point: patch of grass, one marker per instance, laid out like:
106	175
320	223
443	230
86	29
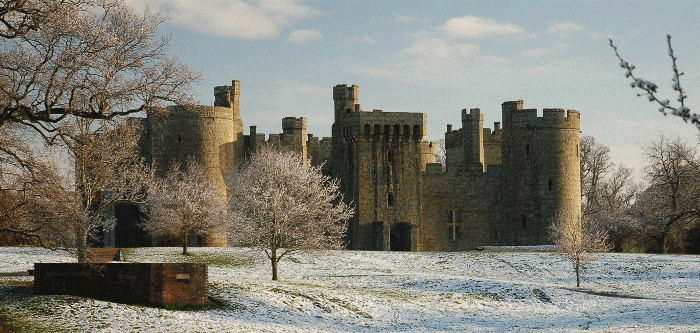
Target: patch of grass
19	321
13	281
219	259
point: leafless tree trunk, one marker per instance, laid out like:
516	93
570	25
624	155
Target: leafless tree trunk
282	205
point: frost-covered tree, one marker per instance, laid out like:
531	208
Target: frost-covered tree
678	108
94	59
281	205
578	241
186	201
108	171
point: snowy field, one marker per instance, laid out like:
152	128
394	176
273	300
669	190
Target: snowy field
349	291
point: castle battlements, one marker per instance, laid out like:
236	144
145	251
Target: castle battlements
498	186
227	96
192	111
357	124
514	113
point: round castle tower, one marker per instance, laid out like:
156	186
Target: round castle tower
541	171
209	134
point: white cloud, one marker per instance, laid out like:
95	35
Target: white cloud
232	18
294	87
440	48
404	19
477	27
350	41
304	36
563	27
543	51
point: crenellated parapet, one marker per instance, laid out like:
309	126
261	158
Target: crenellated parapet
405	126
192	111
551	118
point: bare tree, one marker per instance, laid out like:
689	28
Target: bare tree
31	195
94	59
282	206
649	88
578	241
595	163
17	17
607	192
673	197
108	171
186	201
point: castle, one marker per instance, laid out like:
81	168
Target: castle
497	187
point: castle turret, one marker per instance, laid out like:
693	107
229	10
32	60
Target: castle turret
345	99
294	135
473	140
209	134
541	167
228	97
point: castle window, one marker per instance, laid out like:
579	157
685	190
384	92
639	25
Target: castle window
454	229
527	149
179	138
390	200
390	156
550	184
524	223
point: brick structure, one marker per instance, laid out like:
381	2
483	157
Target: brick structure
164	284
499	187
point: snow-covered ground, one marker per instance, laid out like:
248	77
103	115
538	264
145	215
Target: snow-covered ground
351	291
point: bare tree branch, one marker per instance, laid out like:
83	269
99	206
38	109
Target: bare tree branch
650	88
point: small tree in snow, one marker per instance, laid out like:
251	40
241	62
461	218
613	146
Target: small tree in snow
578	241
184	202
282	205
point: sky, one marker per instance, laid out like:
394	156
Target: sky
439	57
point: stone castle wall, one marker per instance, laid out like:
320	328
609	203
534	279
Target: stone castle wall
499	187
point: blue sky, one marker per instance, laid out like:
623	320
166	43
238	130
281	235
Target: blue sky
439	57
